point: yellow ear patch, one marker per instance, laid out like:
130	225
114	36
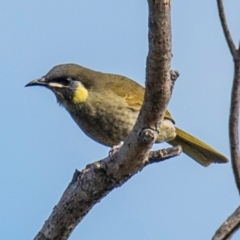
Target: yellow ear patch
80	94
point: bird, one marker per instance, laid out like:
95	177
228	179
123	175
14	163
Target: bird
106	106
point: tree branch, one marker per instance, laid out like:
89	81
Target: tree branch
86	189
229	227
93	183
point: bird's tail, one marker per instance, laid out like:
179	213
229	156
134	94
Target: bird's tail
196	149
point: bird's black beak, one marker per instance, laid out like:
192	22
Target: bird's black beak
37	82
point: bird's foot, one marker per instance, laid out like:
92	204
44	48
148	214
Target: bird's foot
114	149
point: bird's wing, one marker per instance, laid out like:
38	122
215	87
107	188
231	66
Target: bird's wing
132	92
169	116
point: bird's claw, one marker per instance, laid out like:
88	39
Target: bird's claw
114	149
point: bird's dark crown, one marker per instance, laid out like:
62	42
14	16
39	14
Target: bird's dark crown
73	71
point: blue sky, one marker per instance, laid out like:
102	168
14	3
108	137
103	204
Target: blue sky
41	146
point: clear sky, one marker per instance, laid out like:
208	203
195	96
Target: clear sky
41	146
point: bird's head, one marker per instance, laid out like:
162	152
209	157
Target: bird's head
69	82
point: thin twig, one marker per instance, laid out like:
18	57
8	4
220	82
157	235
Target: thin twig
235	98
225	27
234	121
163	154
232	224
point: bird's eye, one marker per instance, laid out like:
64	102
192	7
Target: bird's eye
63	81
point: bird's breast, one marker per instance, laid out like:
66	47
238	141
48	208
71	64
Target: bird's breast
107	122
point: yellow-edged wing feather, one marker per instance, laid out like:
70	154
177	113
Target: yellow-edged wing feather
132	92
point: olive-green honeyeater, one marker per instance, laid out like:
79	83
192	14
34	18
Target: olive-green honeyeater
106	106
